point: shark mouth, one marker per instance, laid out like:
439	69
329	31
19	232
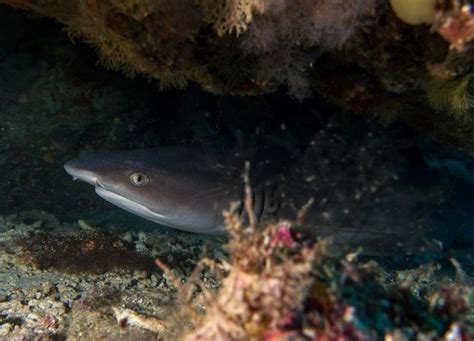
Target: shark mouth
130	205
146	213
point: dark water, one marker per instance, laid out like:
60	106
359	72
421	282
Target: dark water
56	103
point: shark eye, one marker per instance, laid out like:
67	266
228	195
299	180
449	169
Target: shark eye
139	179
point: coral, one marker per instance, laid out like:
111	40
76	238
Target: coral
231	16
452	95
265	286
280	285
137	37
450	87
137	9
327	24
357	55
455	23
143	37
390	74
290	36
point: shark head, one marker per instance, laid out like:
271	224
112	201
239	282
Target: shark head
180	188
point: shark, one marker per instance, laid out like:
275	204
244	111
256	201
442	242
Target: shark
182	188
188	188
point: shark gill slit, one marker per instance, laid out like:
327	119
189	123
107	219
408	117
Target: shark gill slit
261	206
265	204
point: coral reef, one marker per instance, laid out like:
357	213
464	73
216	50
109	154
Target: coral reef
455	23
273	282
358	55
286	52
45	121
279	285
151	38
232	16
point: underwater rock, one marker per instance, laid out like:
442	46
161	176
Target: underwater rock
151	38
356	54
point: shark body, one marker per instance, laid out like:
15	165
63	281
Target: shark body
188	189
182	188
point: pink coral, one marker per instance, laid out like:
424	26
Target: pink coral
457	26
283	237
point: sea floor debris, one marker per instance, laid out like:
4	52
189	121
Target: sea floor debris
70	300
270	282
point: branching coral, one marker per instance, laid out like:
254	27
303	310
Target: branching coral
265	286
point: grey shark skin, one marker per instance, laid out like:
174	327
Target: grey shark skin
183	188
188	189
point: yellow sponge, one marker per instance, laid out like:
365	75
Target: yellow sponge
415	12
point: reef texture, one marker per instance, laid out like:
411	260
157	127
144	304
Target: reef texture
271	282
278	285
225	46
359	55
105	289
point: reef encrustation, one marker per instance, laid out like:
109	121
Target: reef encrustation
365	56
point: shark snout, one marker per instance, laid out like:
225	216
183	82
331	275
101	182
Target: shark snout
79	173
